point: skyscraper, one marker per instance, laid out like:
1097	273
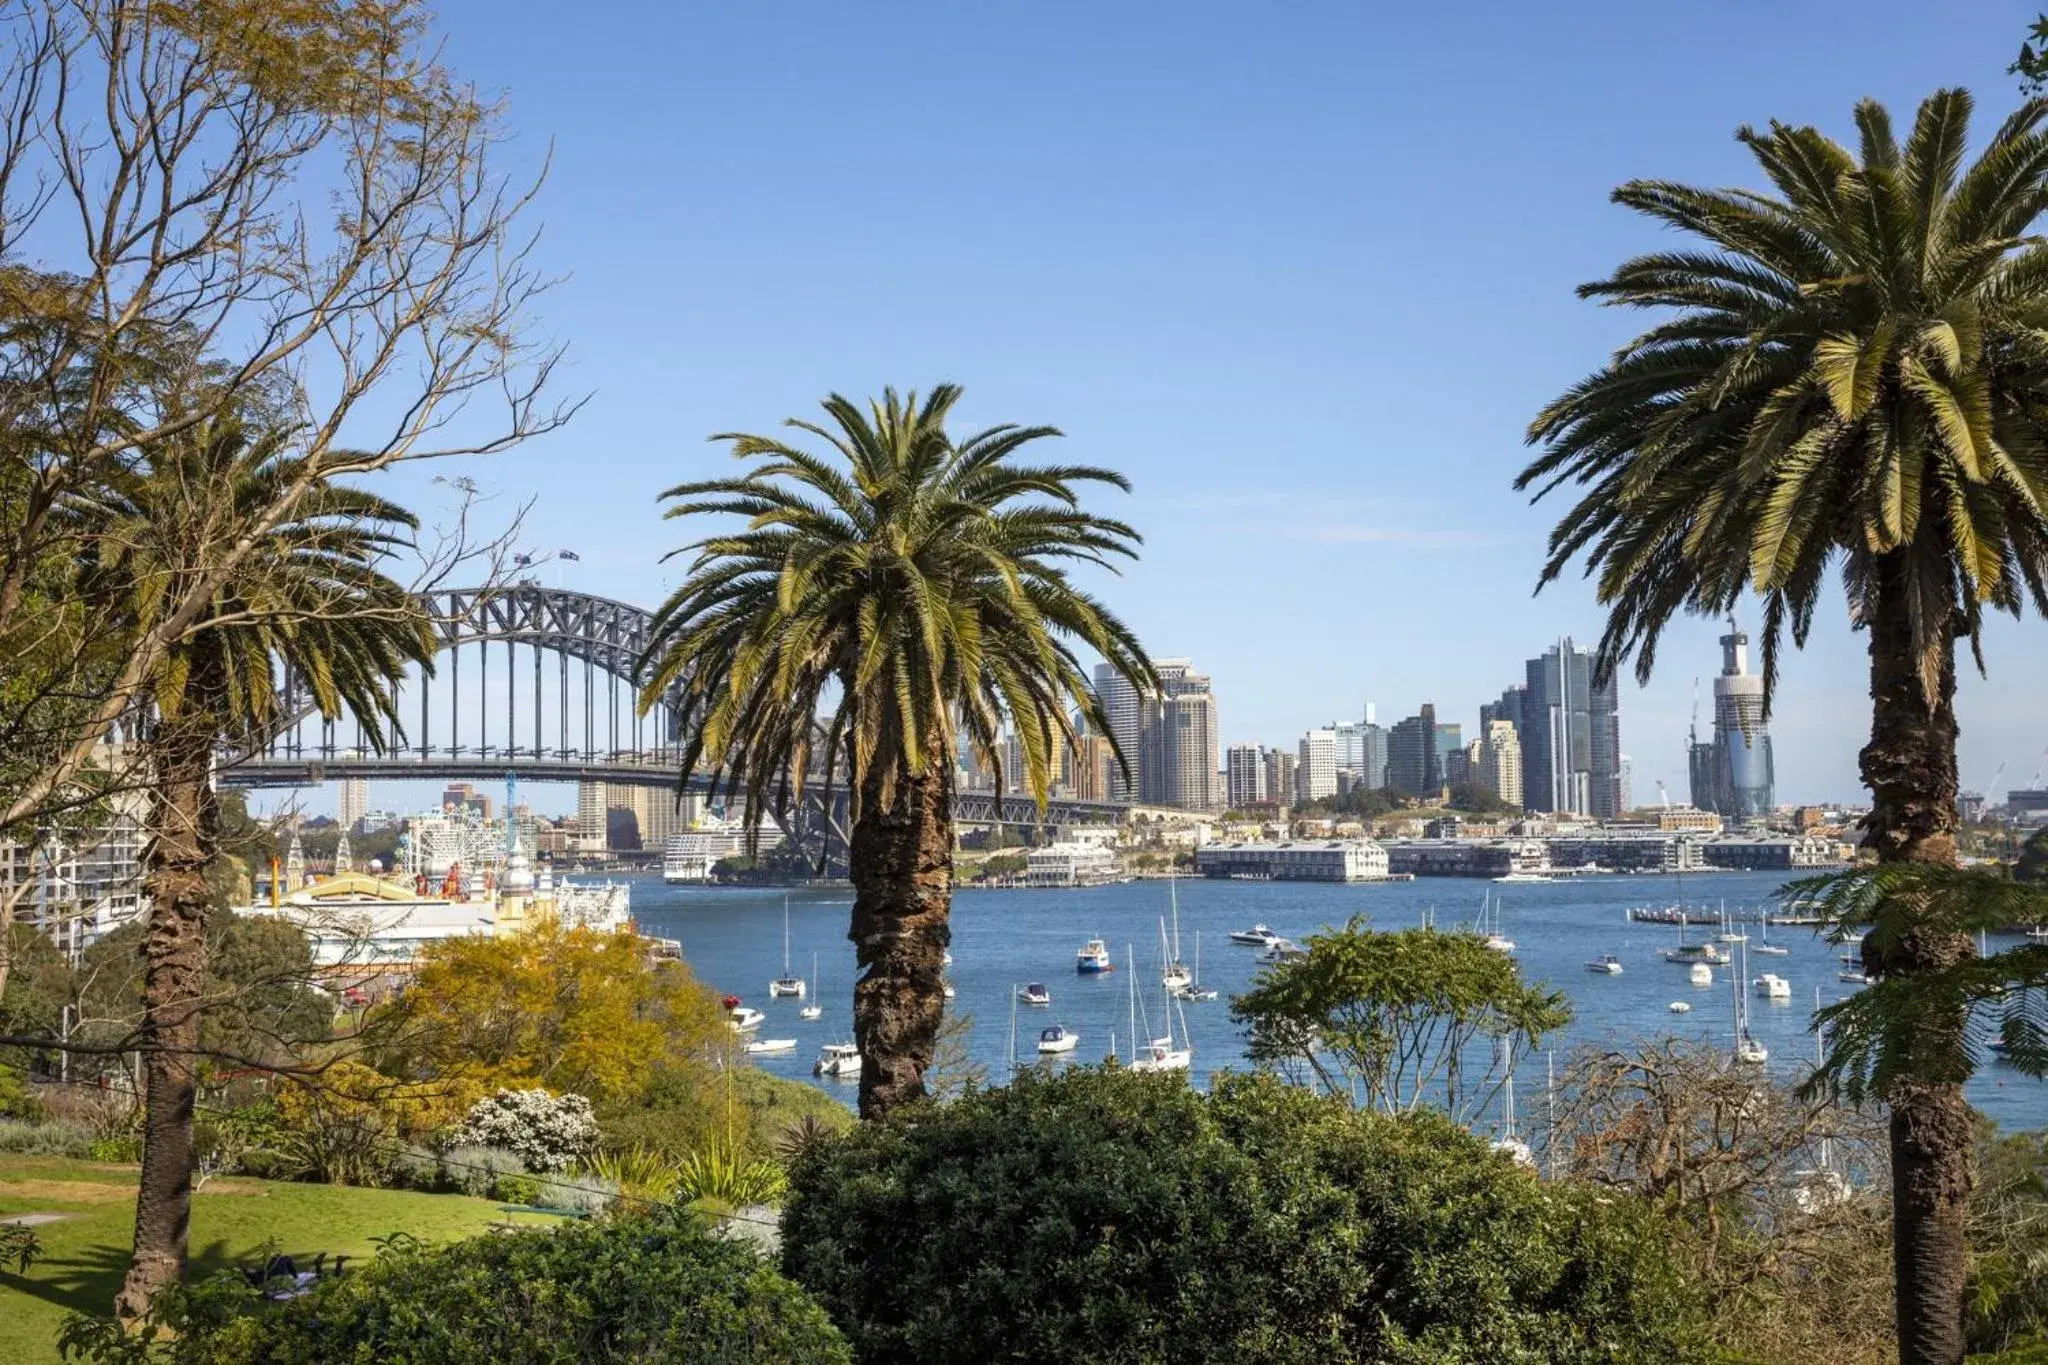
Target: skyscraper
351	803
1177	753
1571	736
1735	776
1244	776
1316	765
590	813
1414	767
1280	777
1122	707
1500	761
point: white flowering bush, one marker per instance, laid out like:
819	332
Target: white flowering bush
548	1132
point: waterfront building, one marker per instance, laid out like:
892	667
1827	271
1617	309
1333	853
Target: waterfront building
351	804
1571	736
1316	765
1735	775
1500	760
1070	864
1332	860
1688	818
1627	850
1773	853
1280	778
1414	766
1467	857
1123	708
1244	770
690	855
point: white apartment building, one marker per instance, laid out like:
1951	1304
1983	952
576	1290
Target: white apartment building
1069	865
690	856
351	803
1500	761
591	802
1315	773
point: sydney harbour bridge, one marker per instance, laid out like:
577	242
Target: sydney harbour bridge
572	719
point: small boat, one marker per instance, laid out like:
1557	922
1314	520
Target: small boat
946	958
1507	1144
1853	977
1691	953
814	1010
788	983
1174	975
1680	1007
1281	950
1524	878
1608	963
1035	994
1057	1039
1765	946
1750	1052
1258	936
946	989
1701	974
1771	986
1093	958
837	1059
745	1020
1495	939
1161	1055
1194	989
769	1045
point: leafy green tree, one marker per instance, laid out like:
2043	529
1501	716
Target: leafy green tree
914	589
1408	1018
1480	800
310	598
1116	1218
1848	380
2033	863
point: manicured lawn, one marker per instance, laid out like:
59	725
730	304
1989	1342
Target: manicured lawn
85	1253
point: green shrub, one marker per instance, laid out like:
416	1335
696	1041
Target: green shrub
45	1139
17	1101
114	1149
518	1189
476	1171
1108	1217
652	1291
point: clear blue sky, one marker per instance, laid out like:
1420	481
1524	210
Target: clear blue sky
1303	271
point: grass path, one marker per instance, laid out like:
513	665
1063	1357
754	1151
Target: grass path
85	1252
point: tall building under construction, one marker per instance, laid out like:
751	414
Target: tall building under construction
1734	775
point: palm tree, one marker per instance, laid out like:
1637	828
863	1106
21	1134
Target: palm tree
917	589
1851	374
309	598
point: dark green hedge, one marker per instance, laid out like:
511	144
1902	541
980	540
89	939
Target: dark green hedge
1108	1217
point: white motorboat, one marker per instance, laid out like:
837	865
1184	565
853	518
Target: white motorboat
837	1059
788	983
1093	958
1035	994
1771	986
1056	1040
1258	936
745	1020
1280	950
1524	878
812	1010
1853	977
1701	974
770	1045
1680	1007
1606	962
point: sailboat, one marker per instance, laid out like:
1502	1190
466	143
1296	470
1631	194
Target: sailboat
813	1010
1507	1144
1747	1049
1820	1186
787	983
1766	947
1160	1054
1729	933
1495	940
1195	990
1175	975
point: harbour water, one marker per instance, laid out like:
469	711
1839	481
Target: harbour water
732	938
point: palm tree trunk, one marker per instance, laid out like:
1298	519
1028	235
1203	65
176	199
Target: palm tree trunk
901	856
184	830
1910	768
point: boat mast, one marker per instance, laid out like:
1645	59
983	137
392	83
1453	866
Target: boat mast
785	938
1013	1028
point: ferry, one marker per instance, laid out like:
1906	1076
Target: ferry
1093	958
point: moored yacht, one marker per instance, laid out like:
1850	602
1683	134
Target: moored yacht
1258	936
1035	994
837	1059
1606	962
1093	958
1057	1039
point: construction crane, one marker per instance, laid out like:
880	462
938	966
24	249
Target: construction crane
1662	795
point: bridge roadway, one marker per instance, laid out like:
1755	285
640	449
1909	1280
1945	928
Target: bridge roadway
621	769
